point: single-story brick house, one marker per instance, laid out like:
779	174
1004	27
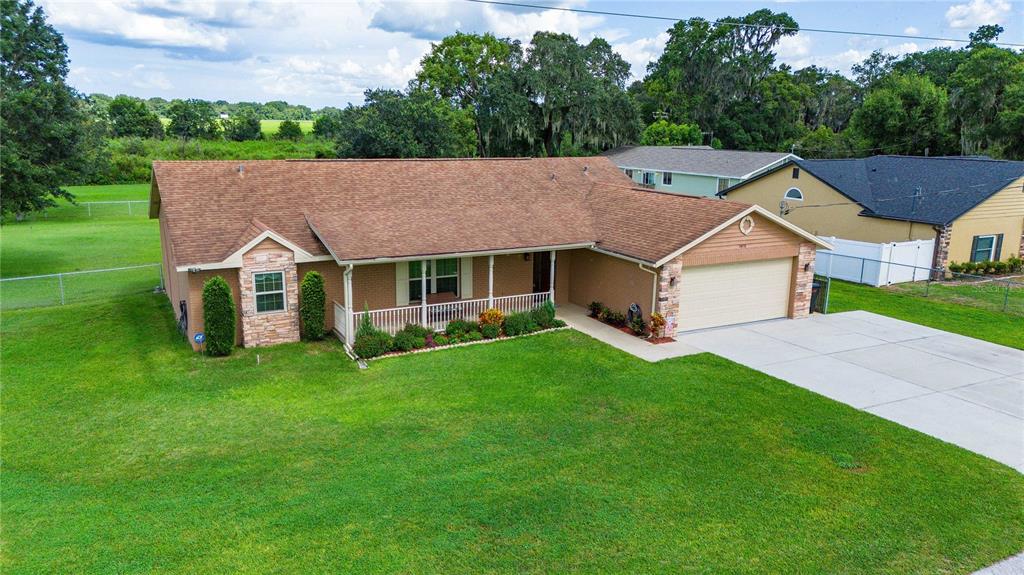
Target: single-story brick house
426	241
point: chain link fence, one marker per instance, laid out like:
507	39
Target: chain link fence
85	210
1004	294
80	286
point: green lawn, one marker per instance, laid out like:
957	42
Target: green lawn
67	240
938	312
124	452
270	127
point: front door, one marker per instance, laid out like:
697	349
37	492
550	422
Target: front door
541	272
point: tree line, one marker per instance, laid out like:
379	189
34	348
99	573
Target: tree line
715	83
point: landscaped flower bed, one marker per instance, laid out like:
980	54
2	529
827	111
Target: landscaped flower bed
635	325
493	325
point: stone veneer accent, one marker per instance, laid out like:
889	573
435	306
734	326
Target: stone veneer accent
941	258
803	281
668	294
259	329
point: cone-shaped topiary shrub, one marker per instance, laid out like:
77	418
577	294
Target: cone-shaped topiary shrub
219	316
311	306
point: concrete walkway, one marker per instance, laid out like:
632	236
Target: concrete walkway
959	389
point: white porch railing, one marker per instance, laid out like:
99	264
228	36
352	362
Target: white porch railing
392	320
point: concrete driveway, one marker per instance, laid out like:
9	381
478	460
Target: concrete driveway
959	389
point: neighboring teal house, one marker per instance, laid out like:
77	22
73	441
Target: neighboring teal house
692	170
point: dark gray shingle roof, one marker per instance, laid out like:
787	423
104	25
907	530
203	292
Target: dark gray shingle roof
885	185
693	159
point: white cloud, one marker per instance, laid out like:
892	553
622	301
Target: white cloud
797	46
641	52
911	31
976	13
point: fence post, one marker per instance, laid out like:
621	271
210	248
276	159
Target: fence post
862	260
88	206
129	208
1006	296
60	282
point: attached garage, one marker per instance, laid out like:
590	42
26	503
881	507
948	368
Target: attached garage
739	292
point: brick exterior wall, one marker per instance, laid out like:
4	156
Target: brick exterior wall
803	280
259	329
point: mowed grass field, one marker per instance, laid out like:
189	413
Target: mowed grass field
124	452
68	240
268	127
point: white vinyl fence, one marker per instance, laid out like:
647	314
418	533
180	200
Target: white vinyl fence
876	264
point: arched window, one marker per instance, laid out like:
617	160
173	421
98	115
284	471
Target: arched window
794	194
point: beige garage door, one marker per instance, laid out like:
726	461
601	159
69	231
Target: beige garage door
734	293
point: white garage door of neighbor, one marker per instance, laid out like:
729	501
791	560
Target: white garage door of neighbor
726	294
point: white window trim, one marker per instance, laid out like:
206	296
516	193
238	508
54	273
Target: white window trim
283	291
786	195
991	249
433	277
646	176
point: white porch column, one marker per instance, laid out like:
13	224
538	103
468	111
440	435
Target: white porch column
423	292
349	324
551	293
490	281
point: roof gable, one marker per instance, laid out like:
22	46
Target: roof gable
700	160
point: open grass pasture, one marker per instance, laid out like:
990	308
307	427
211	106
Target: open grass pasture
67	240
270	127
126	453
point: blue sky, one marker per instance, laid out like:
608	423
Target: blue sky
328	52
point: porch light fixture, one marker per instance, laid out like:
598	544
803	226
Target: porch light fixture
672	281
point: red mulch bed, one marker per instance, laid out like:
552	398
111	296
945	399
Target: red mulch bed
628	331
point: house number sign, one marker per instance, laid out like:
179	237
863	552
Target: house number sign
746	225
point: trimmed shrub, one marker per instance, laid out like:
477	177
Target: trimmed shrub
544	314
312	302
459	327
595	308
372	344
956	268
492	316
472	336
416	330
404	341
219	316
419	342
440	340
490	330
1000	267
559	323
657	324
613	317
519	324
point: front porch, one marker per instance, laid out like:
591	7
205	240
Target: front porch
433	292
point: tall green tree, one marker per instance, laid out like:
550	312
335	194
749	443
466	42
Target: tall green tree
460	67
41	119
130	116
242	127
289	130
706	66
578	95
415	125
979	92
192	119
905	115
665	133
768	118
831	98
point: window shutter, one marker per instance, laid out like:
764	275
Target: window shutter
466	278
999	248
401	283
974	249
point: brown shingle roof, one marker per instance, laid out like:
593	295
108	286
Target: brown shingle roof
367	209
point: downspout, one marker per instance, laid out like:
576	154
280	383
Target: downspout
654	287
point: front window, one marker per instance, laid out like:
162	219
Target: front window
794	194
269	288
984	248
648	178
666	178
442	277
723	183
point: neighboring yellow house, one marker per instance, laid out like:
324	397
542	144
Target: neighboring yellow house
972	207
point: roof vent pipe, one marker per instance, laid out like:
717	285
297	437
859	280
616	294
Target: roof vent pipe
241	169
